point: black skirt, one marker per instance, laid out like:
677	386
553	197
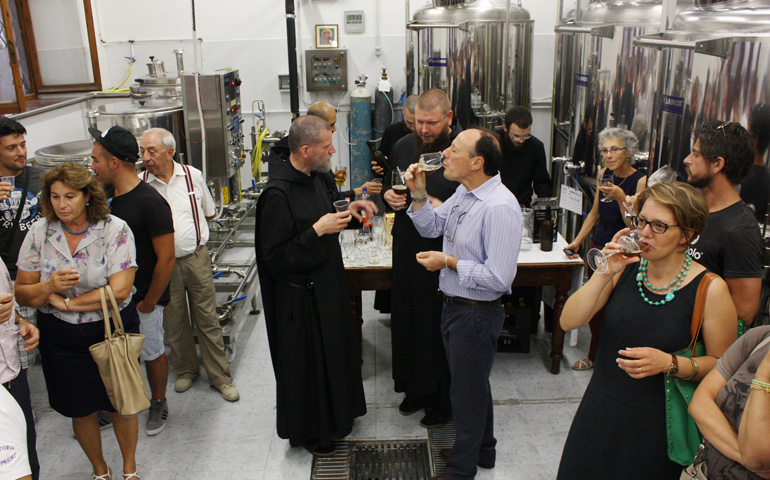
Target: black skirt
75	388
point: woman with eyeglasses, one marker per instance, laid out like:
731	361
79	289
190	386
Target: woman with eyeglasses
608	215
619	430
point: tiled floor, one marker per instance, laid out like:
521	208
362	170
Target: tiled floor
208	438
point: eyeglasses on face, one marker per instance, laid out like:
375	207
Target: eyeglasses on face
613	150
656	226
520	138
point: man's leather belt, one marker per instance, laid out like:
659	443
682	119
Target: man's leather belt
467	302
10	383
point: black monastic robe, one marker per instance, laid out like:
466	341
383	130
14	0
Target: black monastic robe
307	312
419	360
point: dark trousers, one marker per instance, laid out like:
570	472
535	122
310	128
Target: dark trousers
470	338
20	391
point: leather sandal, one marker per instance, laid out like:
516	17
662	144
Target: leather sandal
584	364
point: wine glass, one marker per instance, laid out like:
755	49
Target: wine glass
630	245
430	162
664	174
606	183
398	182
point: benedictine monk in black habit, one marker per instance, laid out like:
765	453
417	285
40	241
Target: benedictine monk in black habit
307	311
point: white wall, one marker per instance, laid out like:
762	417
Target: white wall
251	36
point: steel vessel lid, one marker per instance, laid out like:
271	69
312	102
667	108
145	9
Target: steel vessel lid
78	150
726	17
479	10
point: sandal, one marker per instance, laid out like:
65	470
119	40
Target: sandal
128	476
584	364
105	476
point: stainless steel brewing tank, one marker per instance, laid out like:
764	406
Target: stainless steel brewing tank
460	47
613	84
715	65
137	119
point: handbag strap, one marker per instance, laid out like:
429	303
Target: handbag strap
700	307
116	319
104	292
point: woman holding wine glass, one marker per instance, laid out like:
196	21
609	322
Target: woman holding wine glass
608	214
619	430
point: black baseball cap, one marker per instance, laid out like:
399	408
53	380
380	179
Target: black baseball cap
118	141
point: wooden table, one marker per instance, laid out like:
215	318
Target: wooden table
535	269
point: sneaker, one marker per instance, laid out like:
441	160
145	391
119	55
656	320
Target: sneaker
184	383
228	391
156	422
104	419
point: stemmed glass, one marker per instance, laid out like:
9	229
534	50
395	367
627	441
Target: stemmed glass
630	245
606	183
430	162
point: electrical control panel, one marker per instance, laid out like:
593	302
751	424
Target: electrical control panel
220	97
326	70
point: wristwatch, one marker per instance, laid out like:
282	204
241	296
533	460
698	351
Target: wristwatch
673	369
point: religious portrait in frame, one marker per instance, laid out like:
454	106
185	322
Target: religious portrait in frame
326	36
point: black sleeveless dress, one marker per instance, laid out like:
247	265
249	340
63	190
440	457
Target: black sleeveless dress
619	430
610	216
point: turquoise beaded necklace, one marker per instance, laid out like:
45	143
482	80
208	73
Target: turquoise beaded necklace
641	278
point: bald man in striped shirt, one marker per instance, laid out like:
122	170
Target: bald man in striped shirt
481	225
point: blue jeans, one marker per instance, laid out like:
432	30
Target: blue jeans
470	337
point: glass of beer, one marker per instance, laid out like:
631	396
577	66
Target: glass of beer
398	183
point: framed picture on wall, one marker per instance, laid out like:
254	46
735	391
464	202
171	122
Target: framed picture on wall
326	36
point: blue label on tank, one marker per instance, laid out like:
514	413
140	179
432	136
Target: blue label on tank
437	62
673	104
581	80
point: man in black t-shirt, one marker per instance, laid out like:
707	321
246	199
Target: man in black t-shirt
524	169
149	216
730	244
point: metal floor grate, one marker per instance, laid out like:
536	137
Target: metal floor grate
386	459
375	460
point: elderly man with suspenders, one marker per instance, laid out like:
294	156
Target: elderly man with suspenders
185	190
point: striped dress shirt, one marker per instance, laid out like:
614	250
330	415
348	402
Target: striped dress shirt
482	229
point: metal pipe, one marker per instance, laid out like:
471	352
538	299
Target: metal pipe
663	43
506	47
67	103
291	37
668	14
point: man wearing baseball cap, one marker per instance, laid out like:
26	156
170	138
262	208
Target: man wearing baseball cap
148	214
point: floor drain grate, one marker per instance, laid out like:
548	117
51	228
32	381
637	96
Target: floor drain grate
375	460
439	438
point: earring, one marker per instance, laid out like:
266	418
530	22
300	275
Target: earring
88	204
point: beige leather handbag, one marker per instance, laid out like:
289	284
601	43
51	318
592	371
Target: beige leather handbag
118	360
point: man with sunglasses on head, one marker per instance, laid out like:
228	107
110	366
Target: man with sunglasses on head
524	169
730	245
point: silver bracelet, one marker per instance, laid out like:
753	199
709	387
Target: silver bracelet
694	369
420	199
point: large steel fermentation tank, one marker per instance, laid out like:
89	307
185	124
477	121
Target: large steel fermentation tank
715	65
613	80
460	47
